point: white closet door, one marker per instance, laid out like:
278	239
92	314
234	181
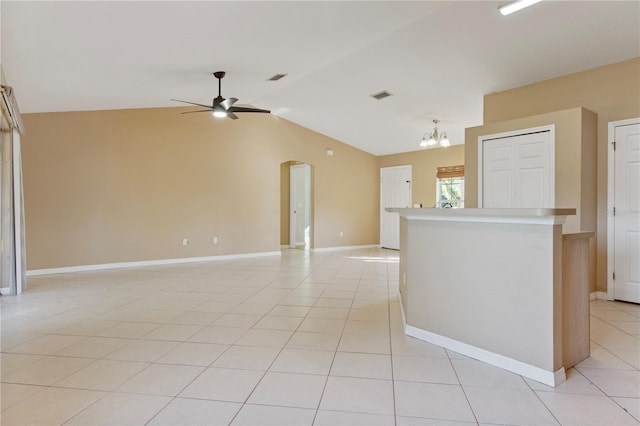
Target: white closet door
627	216
517	171
498	182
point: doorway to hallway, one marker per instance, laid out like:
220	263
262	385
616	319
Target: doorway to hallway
300	206
296	205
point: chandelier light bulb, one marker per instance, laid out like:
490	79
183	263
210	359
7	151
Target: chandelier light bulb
444	141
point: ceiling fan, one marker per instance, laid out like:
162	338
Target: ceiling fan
222	107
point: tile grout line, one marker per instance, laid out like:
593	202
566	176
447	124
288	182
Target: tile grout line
611	398
172	398
464	392
541	401
393	380
335	353
110	392
244	403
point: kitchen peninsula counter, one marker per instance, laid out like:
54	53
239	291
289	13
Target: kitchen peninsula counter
488	283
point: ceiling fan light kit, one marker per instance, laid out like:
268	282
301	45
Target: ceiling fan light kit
435	137
221	107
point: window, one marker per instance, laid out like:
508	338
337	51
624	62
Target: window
450	187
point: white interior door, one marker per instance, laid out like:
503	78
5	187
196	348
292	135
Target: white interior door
395	191
517	171
300	204
626	213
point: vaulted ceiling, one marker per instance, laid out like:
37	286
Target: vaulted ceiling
437	59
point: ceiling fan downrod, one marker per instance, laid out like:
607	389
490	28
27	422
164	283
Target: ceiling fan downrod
219	75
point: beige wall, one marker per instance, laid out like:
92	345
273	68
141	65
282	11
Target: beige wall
128	185
423	169
612	92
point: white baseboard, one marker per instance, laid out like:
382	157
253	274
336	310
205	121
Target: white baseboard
323	249
598	295
5	291
142	263
404	318
538	374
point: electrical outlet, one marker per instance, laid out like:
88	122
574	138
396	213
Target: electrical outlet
341	234
215	240
185	241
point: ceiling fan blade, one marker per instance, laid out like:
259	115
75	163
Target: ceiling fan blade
227	103
246	109
192	103
200	110
231	115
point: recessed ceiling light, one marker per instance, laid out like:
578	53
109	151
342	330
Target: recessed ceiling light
381	95
276	77
515	6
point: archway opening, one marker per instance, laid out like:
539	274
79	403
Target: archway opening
296	205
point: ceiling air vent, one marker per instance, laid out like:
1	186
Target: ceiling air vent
381	95
276	77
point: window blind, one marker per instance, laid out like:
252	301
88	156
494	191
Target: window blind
449	172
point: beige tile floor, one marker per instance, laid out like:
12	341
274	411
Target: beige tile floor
297	339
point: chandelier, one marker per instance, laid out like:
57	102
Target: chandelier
434	138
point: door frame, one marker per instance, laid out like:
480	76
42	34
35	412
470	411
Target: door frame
308	204
611	134
552	153
382	212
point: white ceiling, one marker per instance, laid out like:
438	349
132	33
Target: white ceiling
438	59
